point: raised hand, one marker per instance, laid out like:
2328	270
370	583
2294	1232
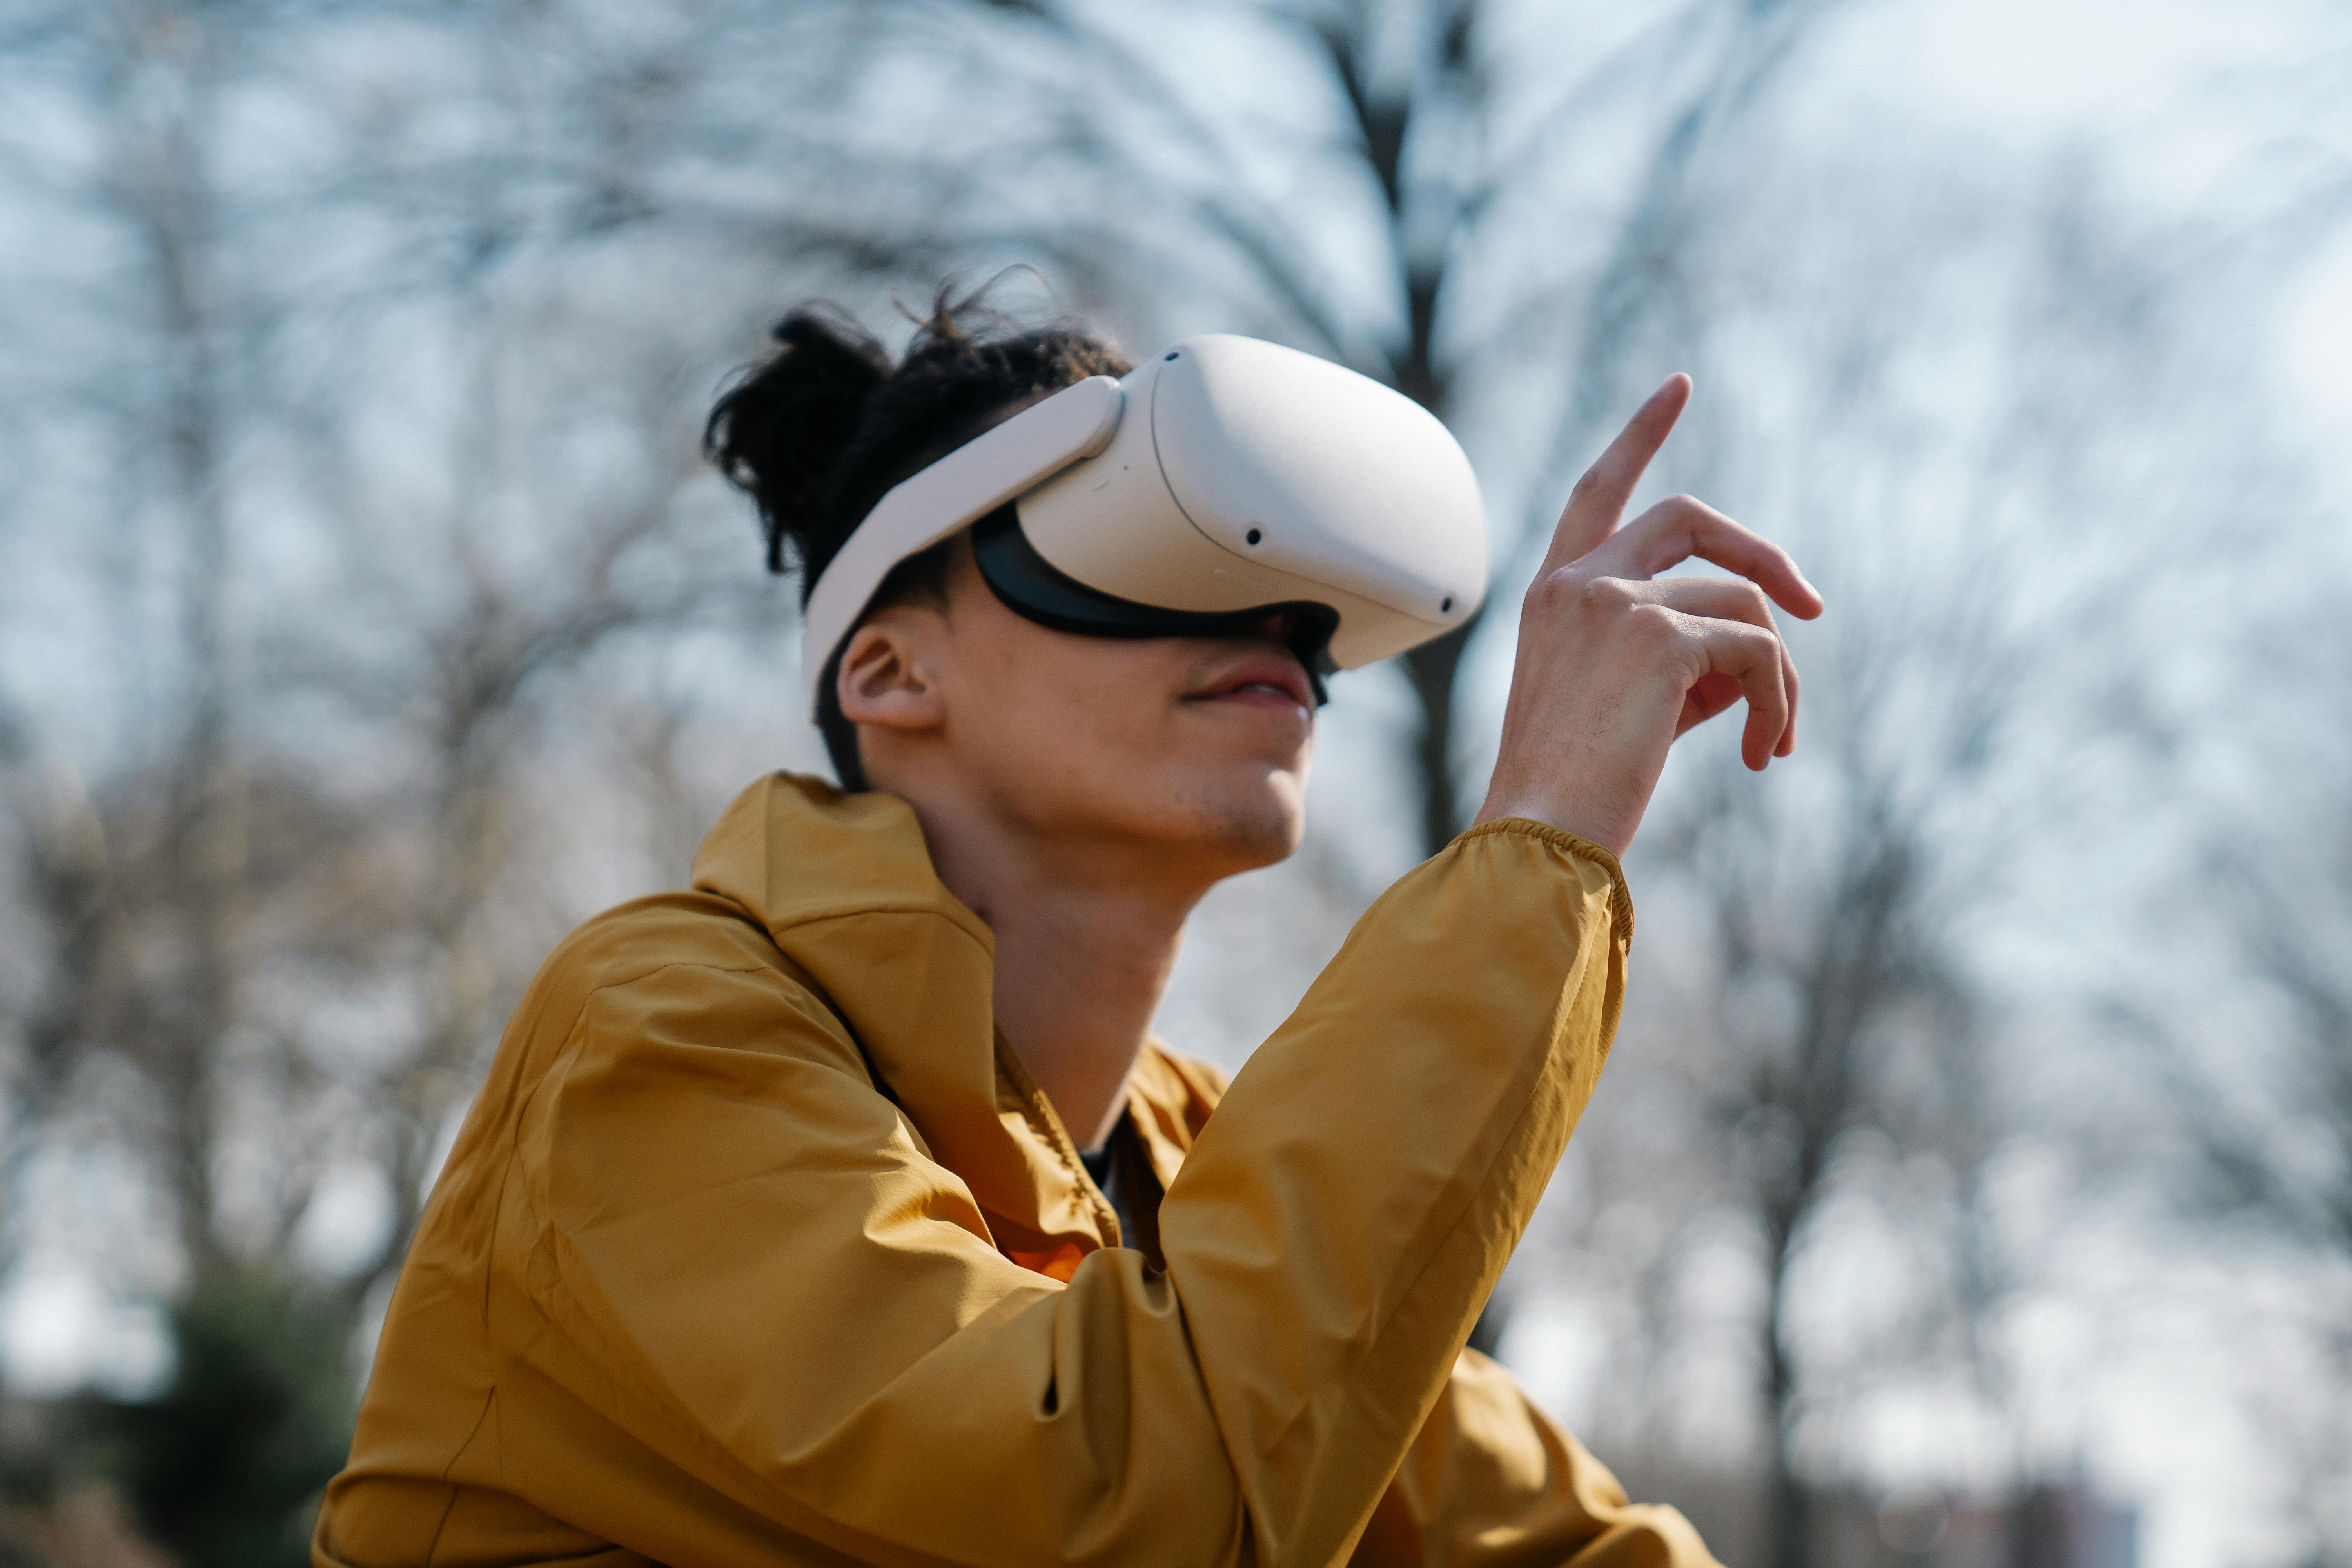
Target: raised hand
1615	665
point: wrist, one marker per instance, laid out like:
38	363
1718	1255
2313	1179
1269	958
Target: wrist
1593	827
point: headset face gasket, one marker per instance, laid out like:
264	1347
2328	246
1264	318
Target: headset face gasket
1032	587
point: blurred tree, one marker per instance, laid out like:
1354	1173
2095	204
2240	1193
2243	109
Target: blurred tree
146	883
225	1468
2269	1131
2270	1128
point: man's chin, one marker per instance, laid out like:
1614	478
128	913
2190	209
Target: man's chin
1259	822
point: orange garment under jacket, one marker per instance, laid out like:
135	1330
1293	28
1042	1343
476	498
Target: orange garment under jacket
759	1247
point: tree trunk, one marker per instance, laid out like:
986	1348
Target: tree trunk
1432	668
1788	1543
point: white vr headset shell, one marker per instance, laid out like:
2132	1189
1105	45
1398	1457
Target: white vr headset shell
1222	476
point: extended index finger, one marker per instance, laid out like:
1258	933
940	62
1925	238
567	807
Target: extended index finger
1599	497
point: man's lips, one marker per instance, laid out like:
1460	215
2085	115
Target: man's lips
1269	678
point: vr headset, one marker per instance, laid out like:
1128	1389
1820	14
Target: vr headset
1221	483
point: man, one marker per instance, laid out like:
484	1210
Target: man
842	1209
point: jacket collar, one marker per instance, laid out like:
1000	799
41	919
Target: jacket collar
844	884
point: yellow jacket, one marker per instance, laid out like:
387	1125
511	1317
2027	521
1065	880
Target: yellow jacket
759	1247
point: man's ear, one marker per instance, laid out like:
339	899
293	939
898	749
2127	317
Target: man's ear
885	678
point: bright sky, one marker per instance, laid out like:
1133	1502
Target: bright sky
2182	98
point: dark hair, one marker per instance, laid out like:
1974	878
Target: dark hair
821	430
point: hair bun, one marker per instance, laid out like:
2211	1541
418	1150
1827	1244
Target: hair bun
780	433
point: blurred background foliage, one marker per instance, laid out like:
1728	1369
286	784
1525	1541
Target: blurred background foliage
1973	1182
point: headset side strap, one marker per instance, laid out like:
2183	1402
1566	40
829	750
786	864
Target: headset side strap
969	483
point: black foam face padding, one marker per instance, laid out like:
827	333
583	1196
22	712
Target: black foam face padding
1031	586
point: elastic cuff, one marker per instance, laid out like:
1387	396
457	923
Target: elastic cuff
1621	897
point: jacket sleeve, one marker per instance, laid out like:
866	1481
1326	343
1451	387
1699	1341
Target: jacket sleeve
1492	1481
720	1238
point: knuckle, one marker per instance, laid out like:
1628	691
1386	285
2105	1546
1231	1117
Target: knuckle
1653	624
1554	591
1612	595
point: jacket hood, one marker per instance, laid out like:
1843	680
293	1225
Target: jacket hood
844	884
